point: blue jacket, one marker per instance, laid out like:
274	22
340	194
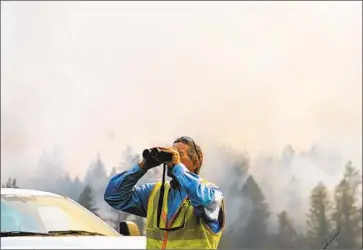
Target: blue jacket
123	194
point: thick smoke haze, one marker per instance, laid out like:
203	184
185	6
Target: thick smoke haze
93	77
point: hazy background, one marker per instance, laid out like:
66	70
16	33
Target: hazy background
94	77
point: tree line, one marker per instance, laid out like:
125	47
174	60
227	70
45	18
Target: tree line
328	214
330	211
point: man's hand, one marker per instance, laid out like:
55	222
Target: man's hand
148	164
176	157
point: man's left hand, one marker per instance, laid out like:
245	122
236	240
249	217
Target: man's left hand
176	157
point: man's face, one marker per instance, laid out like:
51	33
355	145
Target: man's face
184	156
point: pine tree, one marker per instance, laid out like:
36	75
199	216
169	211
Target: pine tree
11	183
49	163
287	235
86	200
346	215
78	187
129	158
96	175
288	155
239	206
64	186
318	217
254	234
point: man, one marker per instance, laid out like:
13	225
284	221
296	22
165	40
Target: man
192	214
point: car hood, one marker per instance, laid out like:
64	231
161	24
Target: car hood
74	242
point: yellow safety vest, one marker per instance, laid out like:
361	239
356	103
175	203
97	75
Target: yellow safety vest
194	235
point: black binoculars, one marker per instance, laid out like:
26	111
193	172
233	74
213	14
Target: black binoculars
157	155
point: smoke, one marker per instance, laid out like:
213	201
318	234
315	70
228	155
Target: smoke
92	77
287	180
229	169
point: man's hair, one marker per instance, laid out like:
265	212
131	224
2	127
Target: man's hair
194	157
194	152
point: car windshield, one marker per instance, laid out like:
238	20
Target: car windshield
41	214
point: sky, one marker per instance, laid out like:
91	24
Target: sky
94	77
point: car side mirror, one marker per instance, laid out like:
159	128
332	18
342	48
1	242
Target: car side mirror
129	228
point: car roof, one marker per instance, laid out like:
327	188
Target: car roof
26	192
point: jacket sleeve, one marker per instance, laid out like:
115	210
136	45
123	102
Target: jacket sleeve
205	197
123	194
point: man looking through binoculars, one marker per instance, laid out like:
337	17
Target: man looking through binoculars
187	212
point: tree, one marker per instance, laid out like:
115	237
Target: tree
65	186
346	215
231	179
49	171
11	183
77	187
129	157
319	225
86	200
288	155
96	175
254	234
287	236
360	240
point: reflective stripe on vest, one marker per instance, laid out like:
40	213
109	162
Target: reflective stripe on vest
195	234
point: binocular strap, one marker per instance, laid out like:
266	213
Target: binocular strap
161	196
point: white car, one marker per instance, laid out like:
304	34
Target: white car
32	219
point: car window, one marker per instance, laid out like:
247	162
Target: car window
48	213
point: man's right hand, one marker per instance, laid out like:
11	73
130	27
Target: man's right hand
148	164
